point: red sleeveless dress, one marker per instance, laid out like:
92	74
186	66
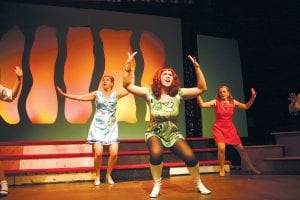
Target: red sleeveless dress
223	128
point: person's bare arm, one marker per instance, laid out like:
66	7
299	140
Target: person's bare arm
246	106
207	104
81	97
188	93
128	80
16	87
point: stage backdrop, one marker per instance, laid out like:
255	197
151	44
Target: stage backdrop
220	60
73	48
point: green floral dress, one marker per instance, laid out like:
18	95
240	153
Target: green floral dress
164	119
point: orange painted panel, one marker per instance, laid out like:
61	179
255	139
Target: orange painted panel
11	50
154	55
41	104
78	72
116	45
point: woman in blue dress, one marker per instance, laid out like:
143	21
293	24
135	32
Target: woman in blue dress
104	128
163	99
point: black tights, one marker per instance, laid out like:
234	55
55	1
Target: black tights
180	149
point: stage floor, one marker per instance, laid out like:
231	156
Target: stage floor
242	187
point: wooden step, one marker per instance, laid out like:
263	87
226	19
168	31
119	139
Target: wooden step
130	172
86	159
258	153
89	154
287	158
287	164
270	158
290	141
117	167
23	154
56	161
80	146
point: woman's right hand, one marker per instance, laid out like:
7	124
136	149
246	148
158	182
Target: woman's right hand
253	92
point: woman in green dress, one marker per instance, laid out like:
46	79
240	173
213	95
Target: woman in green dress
163	99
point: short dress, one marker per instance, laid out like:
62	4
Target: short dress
223	128
164	119
104	127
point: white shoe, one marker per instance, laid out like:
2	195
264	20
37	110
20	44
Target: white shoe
202	189
97	182
109	180
156	189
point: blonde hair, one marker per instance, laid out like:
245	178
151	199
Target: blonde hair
228	90
112	79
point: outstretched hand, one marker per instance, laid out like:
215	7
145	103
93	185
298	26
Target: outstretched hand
129	59
59	91
19	72
253	92
194	60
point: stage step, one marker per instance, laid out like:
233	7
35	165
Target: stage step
64	161
283	157
287	164
67	160
130	172
290	141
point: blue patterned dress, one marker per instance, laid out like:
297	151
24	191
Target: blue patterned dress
104	127
164	119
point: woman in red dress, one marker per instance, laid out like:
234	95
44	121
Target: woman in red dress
224	131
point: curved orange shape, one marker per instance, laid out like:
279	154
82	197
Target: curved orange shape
41	103
154	55
116	45
11	51
78	72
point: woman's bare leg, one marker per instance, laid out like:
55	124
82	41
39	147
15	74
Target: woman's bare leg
221	157
244	155
112	160
98	152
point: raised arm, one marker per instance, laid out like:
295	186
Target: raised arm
203	104
201	87
246	106
122	93
84	97
16	87
128	80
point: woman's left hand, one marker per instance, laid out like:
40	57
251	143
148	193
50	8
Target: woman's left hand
253	92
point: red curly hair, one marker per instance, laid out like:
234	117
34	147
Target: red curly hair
156	84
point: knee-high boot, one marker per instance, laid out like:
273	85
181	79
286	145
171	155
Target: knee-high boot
195	173
156	171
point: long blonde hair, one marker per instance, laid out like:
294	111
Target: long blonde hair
228	90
